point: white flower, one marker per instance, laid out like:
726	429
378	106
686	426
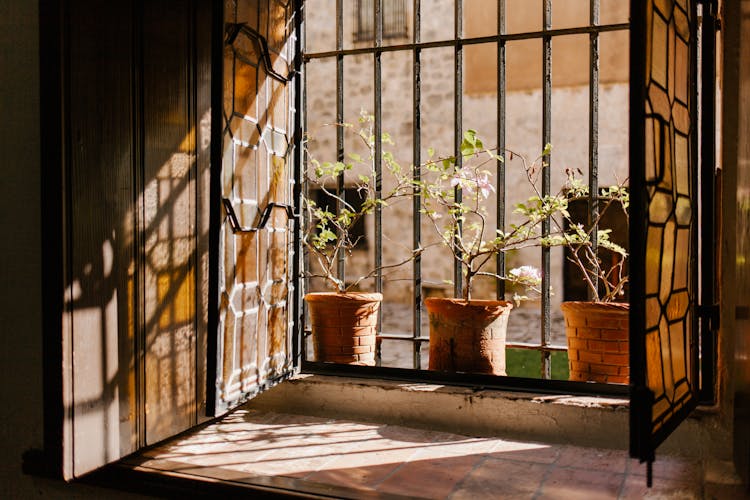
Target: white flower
526	274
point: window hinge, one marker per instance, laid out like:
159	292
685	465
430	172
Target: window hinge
711	314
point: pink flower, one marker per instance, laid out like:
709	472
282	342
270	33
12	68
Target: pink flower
484	185
470	180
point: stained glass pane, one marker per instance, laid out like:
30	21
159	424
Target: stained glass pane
667	332
659	51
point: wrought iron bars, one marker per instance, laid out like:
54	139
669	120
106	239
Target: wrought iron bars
457	43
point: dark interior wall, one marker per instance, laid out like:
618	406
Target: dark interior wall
741	374
20	255
734	339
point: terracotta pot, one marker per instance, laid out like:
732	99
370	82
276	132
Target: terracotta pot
598	341
344	326
468	336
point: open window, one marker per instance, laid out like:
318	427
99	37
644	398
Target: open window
162	292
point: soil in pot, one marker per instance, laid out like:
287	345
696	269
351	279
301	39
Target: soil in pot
598	341
468	336
344	326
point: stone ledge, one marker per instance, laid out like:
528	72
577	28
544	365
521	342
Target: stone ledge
577	420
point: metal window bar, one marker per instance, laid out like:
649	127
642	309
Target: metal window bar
500	208
394	24
341	269
546	335
416	46
417	201
593	214
458	130
378	112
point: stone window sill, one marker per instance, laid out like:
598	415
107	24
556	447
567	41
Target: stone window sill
593	421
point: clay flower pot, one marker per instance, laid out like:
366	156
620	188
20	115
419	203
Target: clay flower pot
468	336
344	326
598	341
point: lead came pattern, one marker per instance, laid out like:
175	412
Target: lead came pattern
670	186
255	330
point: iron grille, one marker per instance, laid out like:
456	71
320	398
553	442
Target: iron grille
372	18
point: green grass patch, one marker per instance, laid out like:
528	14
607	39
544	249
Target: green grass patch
528	363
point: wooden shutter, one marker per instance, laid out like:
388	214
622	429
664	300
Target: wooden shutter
135	93
255	237
664	220
99	409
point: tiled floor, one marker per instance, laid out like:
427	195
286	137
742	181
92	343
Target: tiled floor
360	460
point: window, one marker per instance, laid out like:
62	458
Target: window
522	78
252	330
394	20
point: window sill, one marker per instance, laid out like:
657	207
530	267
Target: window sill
581	420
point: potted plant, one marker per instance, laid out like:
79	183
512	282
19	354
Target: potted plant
468	335
343	321
597	330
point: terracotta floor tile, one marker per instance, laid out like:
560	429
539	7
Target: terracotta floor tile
421	463
434	478
366	477
635	488
248	415
279	464
460	446
721	472
564	483
410	435
526	452
667	467
593	459
715	491
499	479
235	459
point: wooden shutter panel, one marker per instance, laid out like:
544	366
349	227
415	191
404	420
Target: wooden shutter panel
135	93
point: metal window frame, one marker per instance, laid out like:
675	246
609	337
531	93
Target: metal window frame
457	43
